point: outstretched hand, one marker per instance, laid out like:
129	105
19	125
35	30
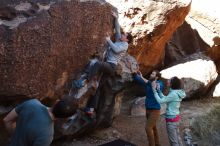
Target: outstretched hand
107	38
139	73
155	85
114	14
130	66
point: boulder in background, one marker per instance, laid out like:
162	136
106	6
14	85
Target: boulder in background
198	73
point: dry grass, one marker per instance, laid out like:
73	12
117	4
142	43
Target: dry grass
207	128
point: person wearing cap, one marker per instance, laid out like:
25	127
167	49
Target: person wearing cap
32	123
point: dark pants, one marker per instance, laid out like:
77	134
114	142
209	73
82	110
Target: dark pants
99	67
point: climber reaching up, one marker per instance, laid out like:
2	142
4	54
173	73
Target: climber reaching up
114	53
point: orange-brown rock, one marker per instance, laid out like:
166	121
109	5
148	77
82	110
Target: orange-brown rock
152	23
214	52
38	54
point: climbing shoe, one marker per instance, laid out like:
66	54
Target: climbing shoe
78	83
90	112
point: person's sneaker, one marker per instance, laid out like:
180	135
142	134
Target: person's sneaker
90	112
78	83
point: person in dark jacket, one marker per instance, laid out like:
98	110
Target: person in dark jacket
151	105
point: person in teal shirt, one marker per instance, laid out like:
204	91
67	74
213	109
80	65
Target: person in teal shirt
32	123
173	100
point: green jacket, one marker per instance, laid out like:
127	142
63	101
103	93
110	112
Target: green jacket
172	100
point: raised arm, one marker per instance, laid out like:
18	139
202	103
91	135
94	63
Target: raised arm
10	120
141	80
161	98
117	27
159	95
117	48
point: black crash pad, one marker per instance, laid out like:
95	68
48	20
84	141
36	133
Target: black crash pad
118	142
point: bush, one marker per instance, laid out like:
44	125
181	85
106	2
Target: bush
207	128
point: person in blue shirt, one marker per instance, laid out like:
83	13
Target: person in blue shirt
32	123
151	105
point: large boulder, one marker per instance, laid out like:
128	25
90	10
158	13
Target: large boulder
198	73
109	93
204	17
216	92
152	23
41	51
138	107
205	21
197	33
214	52
184	42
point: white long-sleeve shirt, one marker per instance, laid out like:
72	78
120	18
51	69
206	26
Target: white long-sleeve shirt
118	49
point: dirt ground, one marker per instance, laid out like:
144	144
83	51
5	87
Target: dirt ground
124	127
131	128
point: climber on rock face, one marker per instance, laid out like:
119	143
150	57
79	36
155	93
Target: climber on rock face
114	53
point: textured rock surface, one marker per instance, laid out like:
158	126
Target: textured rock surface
46	43
198	73
110	93
110	97
216	92
185	41
138	107
204	17
152	23
39	55
200	32
214	52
